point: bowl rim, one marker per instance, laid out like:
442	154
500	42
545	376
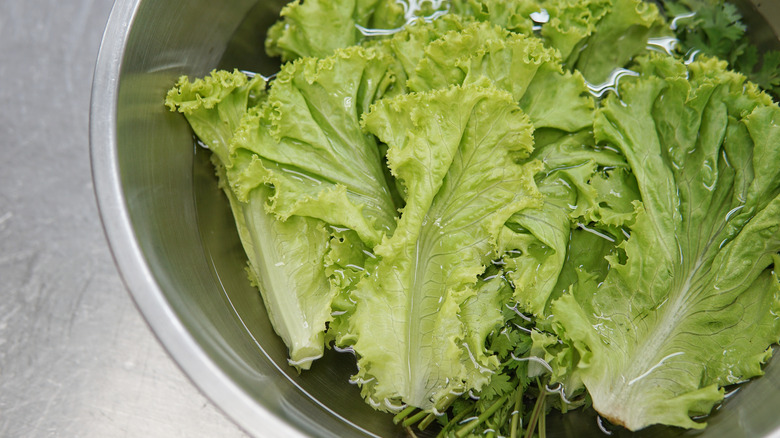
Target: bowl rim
136	275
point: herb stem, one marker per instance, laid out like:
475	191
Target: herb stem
403	414
517	413
445	403
538	408
414	418
455	420
485	415
426	421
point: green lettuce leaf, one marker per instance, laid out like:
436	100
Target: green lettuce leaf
534	240
449	148
286	264
596	37
593	183
574	176
286	259
512	15
562	359
585	187
481	313
306	142
692	305
516	63
571	22
344	265
407	47
317	28
437	68
215	105
587	258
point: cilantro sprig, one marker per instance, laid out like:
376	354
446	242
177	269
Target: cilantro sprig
715	28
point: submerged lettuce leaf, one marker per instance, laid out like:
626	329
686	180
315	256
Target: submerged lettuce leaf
573	176
407	47
307	142
512	15
585	187
215	105
454	151
516	63
536	241
287	257
610	39
693	306
316	28
571	23
344	266
283	256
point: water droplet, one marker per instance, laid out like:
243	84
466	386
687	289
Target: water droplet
676	20
611	84
663	44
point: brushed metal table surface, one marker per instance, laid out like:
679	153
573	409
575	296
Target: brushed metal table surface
76	357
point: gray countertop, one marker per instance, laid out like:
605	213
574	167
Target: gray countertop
76	357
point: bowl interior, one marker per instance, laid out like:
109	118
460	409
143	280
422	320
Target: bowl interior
184	231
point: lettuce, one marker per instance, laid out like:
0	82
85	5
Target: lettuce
291	260
578	192
449	198
594	37
449	148
316	28
693	306
618	36
516	63
306	141
514	16
215	105
282	256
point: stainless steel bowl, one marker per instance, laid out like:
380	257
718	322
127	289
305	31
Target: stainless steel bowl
173	237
